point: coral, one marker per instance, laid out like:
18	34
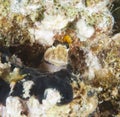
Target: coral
110	57
55	59
59	58
57	55
84	31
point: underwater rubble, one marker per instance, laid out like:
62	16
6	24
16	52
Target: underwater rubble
59	58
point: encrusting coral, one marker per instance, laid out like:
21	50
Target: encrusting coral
59	58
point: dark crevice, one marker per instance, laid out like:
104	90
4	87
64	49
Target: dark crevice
116	14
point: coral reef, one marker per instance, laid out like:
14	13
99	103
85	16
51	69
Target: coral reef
59	58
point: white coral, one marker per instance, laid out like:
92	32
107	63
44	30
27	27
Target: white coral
54	22
40	110
57	55
41	36
14	107
84	31
22	7
93	64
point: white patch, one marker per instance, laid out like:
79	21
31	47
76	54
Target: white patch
13	107
22	7
93	64
54	22
107	22
42	36
3	111
33	7
26	88
52	97
36	109
84	31
17	6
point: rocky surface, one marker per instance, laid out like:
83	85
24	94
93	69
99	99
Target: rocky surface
59	58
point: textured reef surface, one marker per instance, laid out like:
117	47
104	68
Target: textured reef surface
59	58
